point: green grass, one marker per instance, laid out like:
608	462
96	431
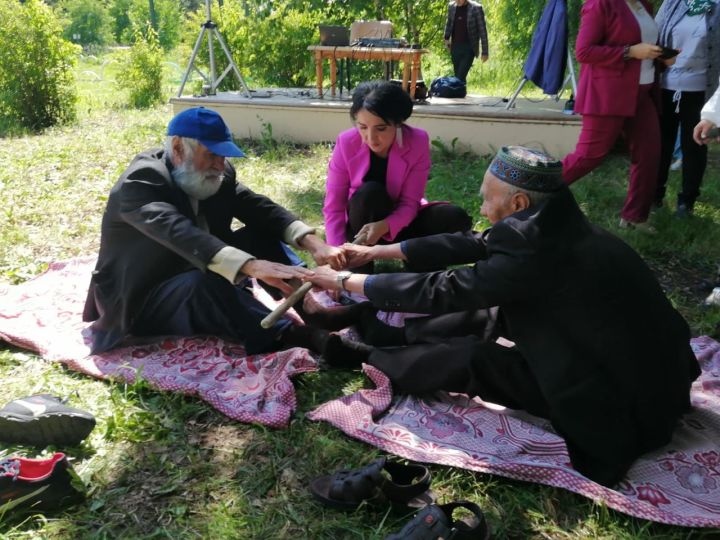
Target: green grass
161	465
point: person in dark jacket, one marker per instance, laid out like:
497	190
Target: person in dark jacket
465	31
171	262
589	340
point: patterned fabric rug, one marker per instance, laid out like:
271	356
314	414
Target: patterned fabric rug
678	484
44	315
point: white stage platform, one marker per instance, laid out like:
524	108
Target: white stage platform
479	123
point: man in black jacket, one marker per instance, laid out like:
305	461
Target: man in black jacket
589	339
170	262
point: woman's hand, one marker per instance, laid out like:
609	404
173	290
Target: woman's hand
644	51
373	232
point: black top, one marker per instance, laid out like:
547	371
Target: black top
150	233
378	169
609	352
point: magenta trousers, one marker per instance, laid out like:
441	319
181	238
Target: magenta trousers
642	134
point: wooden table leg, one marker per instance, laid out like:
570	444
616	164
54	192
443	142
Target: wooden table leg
333	75
318	73
406	74
414	74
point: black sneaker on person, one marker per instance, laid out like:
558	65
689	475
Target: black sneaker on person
38	484
44	419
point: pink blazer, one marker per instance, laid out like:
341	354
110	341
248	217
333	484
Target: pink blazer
608	84
407	174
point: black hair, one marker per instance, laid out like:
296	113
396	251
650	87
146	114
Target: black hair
384	99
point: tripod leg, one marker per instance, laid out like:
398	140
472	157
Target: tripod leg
191	62
232	63
511	103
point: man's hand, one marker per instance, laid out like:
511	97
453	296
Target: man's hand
644	51
334	256
321	252
324	278
373	232
357	255
275	274
484	58
701	130
447	44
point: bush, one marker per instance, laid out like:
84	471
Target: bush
88	22
141	73
37	85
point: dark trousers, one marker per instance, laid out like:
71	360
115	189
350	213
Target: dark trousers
597	137
472	364
197	302
462	58
371	203
685	115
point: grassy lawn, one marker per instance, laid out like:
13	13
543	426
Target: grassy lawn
160	465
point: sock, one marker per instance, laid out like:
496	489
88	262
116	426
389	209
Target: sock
343	353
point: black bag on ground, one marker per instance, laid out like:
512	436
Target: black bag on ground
448	87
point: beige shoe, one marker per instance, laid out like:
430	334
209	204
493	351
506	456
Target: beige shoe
641	227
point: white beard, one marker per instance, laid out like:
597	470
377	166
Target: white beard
197	185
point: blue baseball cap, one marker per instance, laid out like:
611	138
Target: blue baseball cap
208	128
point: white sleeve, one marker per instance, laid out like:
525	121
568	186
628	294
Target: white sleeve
711	110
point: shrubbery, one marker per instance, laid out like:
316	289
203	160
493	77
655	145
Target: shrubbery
37	86
88	22
141	73
167	20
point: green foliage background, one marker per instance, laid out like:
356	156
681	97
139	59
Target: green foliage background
37	86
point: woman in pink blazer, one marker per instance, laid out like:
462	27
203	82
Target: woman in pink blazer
617	94
378	172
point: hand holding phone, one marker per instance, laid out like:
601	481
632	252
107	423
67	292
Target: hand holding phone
668	53
712	133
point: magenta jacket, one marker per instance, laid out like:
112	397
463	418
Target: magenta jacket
407	174
608	84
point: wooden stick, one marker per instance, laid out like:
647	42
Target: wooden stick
294	298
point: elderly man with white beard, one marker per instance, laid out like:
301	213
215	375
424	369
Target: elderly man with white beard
171	263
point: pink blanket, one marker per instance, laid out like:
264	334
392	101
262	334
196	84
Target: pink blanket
44	315
678	484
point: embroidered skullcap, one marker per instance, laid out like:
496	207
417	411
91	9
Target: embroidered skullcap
527	168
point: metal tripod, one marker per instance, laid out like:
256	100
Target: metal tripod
570	78
212	82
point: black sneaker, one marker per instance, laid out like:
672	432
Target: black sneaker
38	484
42	420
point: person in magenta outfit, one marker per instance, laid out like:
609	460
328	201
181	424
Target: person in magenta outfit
617	94
378	172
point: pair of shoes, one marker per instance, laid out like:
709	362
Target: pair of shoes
644	226
381	480
683	210
436	521
676	165
44	419
38	484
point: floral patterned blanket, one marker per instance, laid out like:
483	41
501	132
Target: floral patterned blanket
44	315
678	484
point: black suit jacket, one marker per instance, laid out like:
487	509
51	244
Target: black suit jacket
609	352
150	233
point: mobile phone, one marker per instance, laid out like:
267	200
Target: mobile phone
712	133
668	52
